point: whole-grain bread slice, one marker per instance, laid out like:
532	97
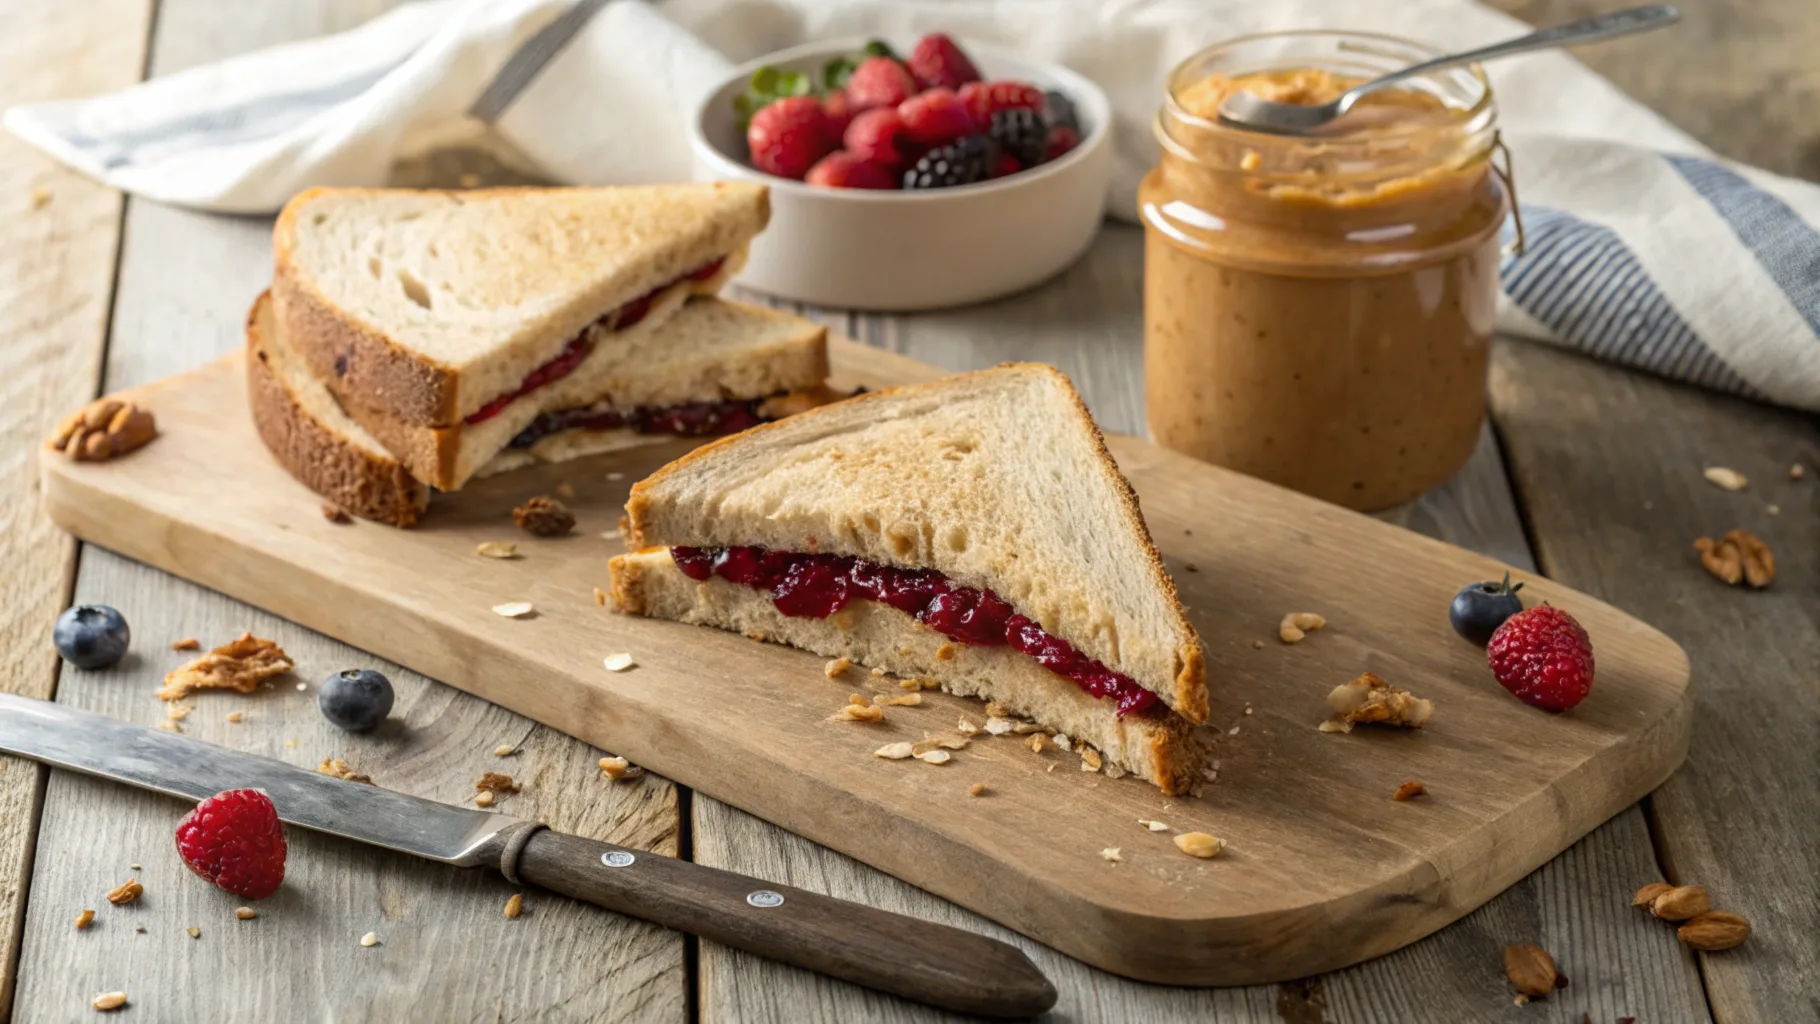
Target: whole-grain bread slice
999	479
313	439
1158	746
423	306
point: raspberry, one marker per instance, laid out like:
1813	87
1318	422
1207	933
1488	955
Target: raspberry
937	61
1007	165
958	163
879	82
873	136
1021	133
789	135
1061	140
838	105
841	169
1543	657
935	117
983	99
234	840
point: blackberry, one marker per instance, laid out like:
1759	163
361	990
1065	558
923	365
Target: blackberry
1021	134
1058	110
961	162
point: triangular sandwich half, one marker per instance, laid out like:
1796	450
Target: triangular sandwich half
445	322
972	529
713	368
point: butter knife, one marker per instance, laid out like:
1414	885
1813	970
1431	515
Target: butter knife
905	956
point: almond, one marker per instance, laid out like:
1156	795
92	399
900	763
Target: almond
1714	930
1647	895
1681	903
1530	969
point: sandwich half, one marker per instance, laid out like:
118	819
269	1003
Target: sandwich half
446	322
972	529
713	368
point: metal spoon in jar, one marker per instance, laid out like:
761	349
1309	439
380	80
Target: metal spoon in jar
1243	110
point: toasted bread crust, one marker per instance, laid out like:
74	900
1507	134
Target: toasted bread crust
359	482
366	369
1190	696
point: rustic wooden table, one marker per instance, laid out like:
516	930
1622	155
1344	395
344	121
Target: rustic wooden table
1591	477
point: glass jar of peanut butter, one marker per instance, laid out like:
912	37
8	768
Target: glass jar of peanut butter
1318	309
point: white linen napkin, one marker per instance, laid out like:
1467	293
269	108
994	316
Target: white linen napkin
1643	248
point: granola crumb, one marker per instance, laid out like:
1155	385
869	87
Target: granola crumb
1199	844
894	751
370	939
335	513
236	716
515	906
240	665
496	549
836	666
483	799
904	700
859	713
1090	759
1297	625
600	597
494	782
544	517
188	643
1113	854
1037	742
977	789
126	892
504	750
1409	790
245	913
1369	699
84	919
336	767
195	932
618	662
109	1001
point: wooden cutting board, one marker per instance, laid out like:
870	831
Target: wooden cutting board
1322	868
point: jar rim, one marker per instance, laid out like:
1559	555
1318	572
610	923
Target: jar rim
1480	104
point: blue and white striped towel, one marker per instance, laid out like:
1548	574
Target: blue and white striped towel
1644	248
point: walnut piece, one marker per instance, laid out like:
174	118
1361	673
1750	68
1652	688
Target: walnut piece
127	892
544	517
1739	556
241	664
1370	700
103	429
493	782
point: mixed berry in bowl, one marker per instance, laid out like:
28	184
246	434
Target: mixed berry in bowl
876	120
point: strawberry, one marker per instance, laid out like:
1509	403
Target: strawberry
233	839
937	61
935	117
879	82
1061	139
873	136
983	99
1543	657
786	137
841	169
838	105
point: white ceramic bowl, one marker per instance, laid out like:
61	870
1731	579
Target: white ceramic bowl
890	250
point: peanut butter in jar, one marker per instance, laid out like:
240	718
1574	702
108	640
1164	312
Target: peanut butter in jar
1318	309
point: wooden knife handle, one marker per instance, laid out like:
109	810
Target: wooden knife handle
905	956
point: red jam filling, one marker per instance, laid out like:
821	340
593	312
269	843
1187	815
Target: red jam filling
694	419
577	350
817	586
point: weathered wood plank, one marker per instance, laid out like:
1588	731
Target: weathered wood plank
446	952
58	237
1087	322
1615	497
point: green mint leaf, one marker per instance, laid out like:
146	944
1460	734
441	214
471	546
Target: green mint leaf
836	72
765	80
879	48
794	83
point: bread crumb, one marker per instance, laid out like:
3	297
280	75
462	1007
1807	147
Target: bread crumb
496	549
1154	826
544	517
996	726
1113	854
1037	742
41	197
195	932
1199	844
1090	760
878	673
241	665
563	489
515	906
618	662
188	643
370	939
836	666
335	513
1369	699
977	789
1409	790
935	756
514	609
245	913
600	597
893	751
966	727
1063	742
1114	770
1297	625
84	919
126	892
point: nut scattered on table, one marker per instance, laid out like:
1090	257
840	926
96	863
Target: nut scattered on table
1680	903
240	665
126	892
1199	844
1370	700
84	919
245	913
1739	556
977	789
188	643
618	662
1154	826
109	1001
544	517
859	713
337	768
1409	790
514	609
1297	625
893	751
104	429
619	769
496	549
1647	895
1725	478
1530	969
1714	930
370	939
836	666
515	906
935	756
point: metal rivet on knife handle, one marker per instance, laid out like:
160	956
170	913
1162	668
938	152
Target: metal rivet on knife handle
765	898
617	859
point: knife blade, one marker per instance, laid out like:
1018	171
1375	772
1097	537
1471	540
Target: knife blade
919	960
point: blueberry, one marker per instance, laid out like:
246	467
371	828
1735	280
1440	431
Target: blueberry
357	700
1480	608
91	636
